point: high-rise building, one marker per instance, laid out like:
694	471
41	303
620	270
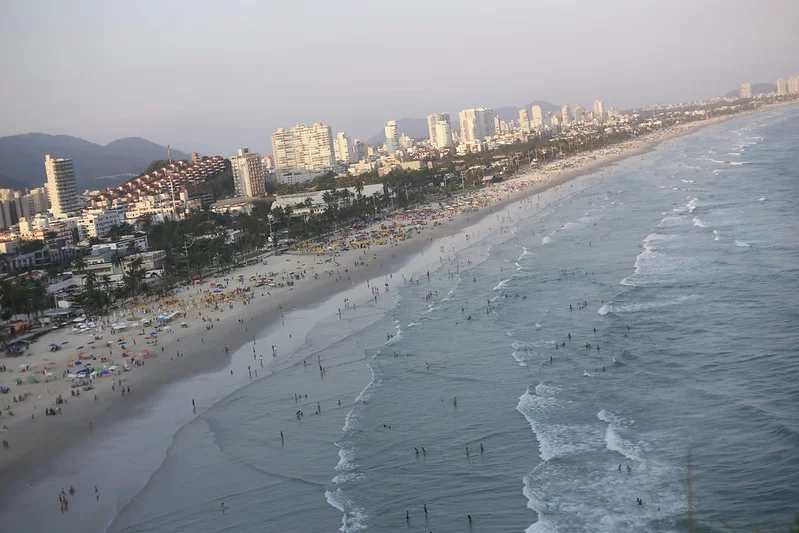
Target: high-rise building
744	90
249	177
304	147
35	202
599	110
11	207
782	86
524	120
793	85
392	137
579	111
342	146
359	150
476	124
538	117
565	115
439	129
195	158
61	187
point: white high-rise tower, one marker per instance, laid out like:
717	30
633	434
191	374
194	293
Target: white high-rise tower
61	187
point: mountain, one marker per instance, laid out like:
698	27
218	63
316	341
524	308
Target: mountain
10	183
757	88
22	159
417	127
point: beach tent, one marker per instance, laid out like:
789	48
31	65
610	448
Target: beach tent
32	379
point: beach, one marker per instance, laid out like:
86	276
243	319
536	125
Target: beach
205	351
256	321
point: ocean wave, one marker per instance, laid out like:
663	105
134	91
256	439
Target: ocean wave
354	518
367	391
501	284
692	204
546	240
700	223
716	235
554	439
741	244
644	306
738	163
688	181
613	440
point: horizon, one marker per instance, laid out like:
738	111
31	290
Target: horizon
110	92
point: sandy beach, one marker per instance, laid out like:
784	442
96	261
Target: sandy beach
211	321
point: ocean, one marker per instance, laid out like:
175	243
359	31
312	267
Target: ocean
641	316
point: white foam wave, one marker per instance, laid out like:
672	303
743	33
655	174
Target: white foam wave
351	422
614	442
501	284
763	199
738	163
741	244
366	393
546	240
413	324
644	306
588	374
716	235
699	223
688	181
346	459
354	518
693	203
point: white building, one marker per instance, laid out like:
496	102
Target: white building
98	222
579	113
782	86
476	124
11	207
538	117
439	128
61	186
392	137
744	90
793	85
524	119
343	148
565	115
599	110
249	177
35	202
302	149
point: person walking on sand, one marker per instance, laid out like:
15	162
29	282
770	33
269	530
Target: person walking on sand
97	493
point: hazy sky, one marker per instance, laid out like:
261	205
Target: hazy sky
211	76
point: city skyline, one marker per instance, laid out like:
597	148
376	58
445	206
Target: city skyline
176	109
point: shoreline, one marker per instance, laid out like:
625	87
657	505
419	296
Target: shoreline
62	431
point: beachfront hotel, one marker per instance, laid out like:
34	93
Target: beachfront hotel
303	151
476	124
61	187
248	173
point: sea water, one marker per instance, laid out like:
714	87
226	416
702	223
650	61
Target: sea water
643	316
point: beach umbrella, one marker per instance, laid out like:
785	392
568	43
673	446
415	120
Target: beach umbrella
80	347
90	342
144	352
77	363
53	344
65	342
32	379
82	371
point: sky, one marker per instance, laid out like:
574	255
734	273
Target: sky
212	76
